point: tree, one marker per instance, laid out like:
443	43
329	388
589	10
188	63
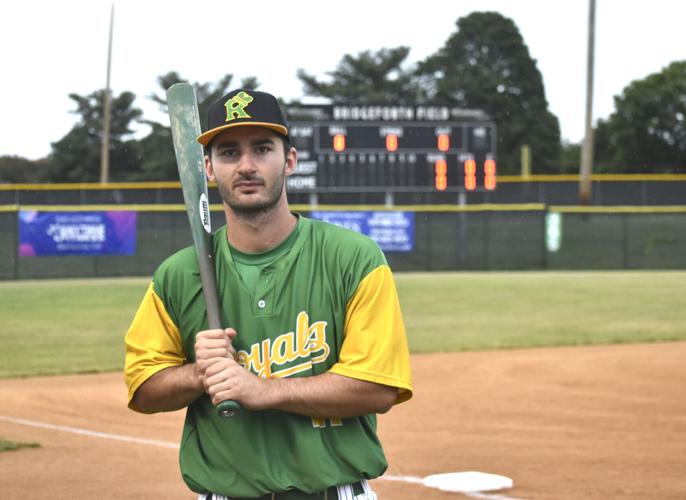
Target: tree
156	148
367	78
76	157
570	158
17	169
647	131
486	65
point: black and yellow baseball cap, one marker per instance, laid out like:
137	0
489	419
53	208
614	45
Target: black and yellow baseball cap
244	107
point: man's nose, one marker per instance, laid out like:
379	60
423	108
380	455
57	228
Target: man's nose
246	164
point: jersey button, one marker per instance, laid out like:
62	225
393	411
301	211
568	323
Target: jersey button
261	304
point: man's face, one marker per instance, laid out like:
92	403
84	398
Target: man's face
250	167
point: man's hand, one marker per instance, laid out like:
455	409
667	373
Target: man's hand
226	379
212	346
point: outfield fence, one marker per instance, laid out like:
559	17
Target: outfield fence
445	237
607	189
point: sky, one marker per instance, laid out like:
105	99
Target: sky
50	49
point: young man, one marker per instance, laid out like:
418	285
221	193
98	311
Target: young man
314	346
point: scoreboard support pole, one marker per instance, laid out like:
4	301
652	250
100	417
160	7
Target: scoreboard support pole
462	230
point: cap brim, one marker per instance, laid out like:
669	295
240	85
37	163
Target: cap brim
205	138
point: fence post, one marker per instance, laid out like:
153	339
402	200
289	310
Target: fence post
487	239
625	240
544	243
16	243
429	223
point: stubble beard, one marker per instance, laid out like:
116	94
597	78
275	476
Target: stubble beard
252	209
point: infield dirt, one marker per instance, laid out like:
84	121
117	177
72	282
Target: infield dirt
604	422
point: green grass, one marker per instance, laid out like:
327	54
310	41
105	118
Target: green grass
468	311
76	326
6	445
65	326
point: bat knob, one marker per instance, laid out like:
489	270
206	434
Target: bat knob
228	409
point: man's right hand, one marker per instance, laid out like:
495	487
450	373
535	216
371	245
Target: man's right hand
211	346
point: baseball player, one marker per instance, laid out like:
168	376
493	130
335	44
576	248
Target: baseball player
314	345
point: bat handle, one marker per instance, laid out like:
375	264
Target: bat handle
228	408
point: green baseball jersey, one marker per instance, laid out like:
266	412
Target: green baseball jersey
328	304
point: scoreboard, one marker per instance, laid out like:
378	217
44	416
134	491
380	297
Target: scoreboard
405	148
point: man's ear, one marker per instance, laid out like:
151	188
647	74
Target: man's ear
291	161
209	171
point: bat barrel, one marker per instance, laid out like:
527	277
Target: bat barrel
190	159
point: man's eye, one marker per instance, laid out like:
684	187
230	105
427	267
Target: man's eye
262	149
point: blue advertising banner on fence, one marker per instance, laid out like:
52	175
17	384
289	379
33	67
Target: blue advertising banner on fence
392	231
76	233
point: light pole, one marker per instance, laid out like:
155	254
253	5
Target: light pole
107	104
587	147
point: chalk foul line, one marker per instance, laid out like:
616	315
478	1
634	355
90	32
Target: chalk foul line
86	432
167	444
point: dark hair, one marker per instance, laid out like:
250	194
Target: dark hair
286	146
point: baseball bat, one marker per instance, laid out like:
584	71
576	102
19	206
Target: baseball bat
190	160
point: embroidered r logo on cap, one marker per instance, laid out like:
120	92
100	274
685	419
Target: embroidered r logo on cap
235	107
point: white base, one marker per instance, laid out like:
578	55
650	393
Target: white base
467	482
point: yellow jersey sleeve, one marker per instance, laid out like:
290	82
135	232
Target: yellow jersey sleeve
375	345
153	343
